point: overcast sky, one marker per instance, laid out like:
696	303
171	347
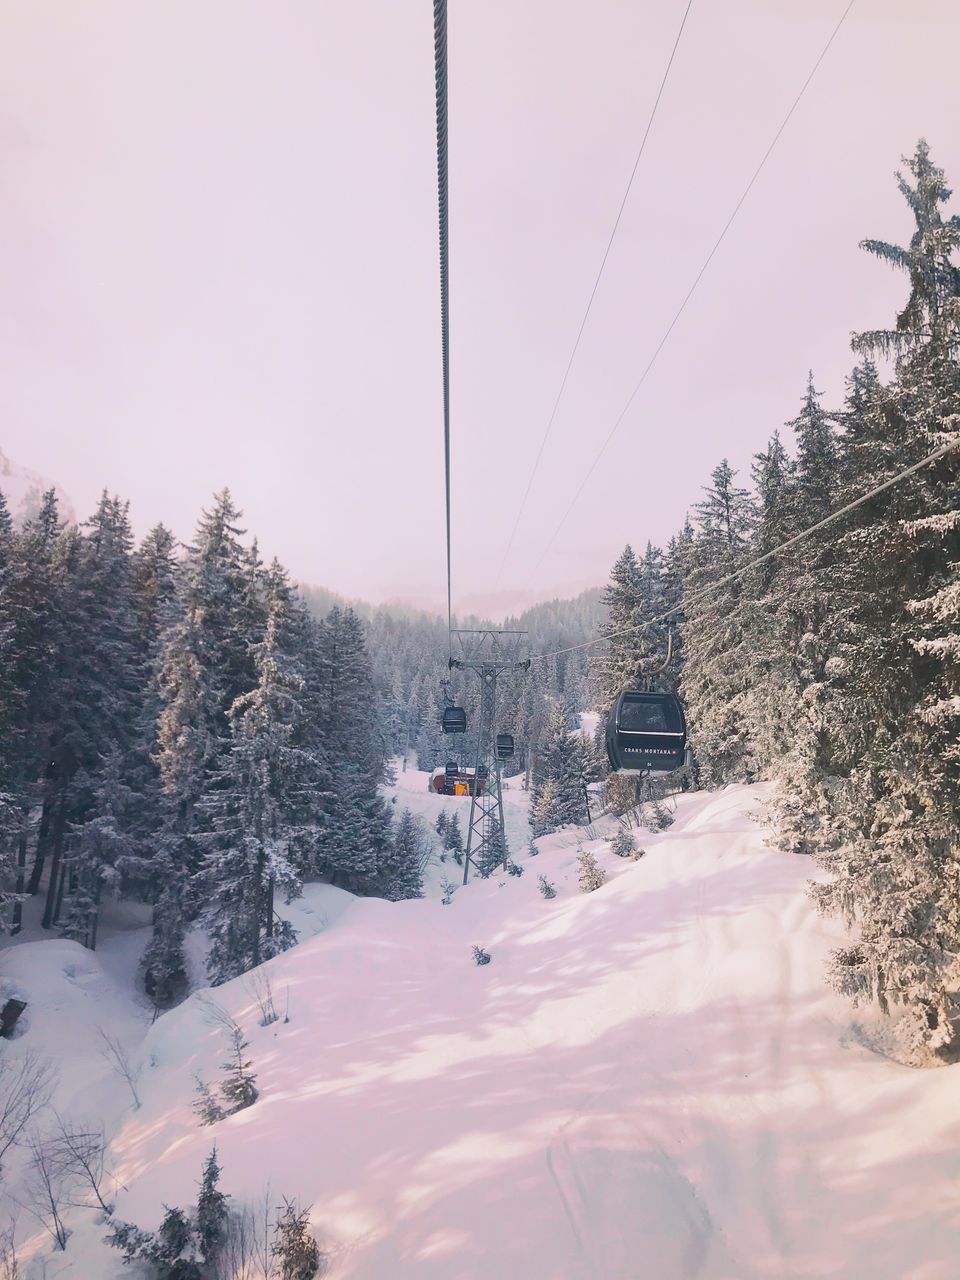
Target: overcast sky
219	262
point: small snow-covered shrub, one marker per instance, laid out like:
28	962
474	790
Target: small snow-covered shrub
624	843
480	956
513	869
205	1106
532	849
239	1088
294	1248
591	875
546	888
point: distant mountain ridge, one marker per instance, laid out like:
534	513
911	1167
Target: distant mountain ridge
566	620
23	490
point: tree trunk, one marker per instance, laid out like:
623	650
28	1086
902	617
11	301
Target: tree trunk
60	891
17	924
43	836
60	826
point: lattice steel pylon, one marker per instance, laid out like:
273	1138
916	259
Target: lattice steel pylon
490	654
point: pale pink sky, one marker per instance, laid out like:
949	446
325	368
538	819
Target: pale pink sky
218	248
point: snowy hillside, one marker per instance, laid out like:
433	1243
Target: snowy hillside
23	490
649	1080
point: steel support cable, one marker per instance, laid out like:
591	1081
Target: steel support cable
440	72
693	287
593	294
694	596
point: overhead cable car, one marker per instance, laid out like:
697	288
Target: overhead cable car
454	720
646	732
504	746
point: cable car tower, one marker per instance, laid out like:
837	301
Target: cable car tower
489	654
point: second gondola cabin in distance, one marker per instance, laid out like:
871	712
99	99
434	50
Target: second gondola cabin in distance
646	733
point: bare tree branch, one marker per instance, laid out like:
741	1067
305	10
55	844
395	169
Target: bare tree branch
26	1086
113	1052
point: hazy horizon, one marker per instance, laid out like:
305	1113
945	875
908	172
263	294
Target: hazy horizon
220	250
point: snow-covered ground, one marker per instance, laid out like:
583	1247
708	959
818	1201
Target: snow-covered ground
647	1081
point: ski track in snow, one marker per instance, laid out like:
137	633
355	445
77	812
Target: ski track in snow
648	1081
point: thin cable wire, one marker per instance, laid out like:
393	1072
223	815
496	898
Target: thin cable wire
440	72
593	294
690	292
694	596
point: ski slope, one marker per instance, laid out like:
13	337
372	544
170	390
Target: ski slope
646	1081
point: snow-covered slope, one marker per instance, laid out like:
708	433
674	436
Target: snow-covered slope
23	490
647	1081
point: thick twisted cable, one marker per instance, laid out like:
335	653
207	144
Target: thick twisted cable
440	65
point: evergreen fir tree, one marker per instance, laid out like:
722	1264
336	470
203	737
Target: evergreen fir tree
714	680
211	1226
100	847
559	796
207	1109
239	1088
624	842
261	802
453	838
401	873
889	798
296	1251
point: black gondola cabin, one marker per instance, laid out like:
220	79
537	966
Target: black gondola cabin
504	746
646	732
454	720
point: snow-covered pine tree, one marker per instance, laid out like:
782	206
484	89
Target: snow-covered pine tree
211	1223
98	849
558	784
453	838
354	841
620	666
97	674
624	842
262	801
771	696
715	675
892	813
240	1086
32	591
349	701
400	874
296	1252
205	664
805	591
